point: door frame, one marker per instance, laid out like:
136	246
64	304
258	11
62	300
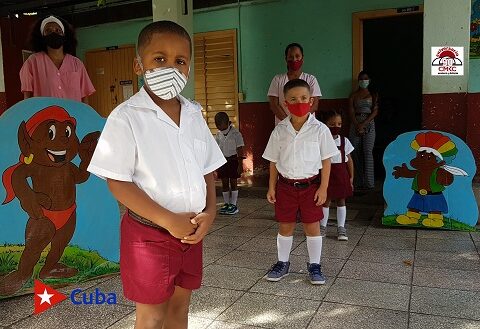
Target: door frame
357	34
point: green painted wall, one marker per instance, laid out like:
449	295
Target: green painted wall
324	28
112	34
474	76
438	33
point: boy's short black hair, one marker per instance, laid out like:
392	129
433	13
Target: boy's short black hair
292	45
148	31
295	83
221	117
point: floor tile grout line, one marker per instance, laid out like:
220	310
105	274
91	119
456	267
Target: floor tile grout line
411	281
449	269
126	315
443	316
365	306
340	271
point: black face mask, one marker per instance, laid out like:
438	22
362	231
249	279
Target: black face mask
54	40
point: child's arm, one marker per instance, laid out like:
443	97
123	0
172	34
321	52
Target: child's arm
138	201
350	168
240	158
272	183
205	219
321	194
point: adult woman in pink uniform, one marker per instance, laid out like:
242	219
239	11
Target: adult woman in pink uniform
53	71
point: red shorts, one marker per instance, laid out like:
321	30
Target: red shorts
291	200
153	262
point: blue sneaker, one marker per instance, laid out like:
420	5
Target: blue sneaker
315	274
278	271
231	210
224	209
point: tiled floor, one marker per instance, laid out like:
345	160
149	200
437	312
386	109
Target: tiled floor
381	278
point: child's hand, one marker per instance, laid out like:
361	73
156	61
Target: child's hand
320	196
351	182
204	220
271	196
240	169
181	225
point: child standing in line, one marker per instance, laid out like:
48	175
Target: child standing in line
231	143
340	185
158	156
299	151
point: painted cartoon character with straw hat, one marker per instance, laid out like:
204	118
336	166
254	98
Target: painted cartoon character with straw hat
430	177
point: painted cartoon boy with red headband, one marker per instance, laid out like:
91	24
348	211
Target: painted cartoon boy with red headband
430	176
48	143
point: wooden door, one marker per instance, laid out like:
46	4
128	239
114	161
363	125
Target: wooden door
111	72
216	82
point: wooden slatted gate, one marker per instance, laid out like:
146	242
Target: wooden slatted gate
216	77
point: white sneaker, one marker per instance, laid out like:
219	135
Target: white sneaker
342	234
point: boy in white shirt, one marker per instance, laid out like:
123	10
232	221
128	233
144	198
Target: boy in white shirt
299	151
231	143
158	157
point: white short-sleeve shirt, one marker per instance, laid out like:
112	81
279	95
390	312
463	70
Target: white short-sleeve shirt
141	144
229	141
279	81
299	155
348	149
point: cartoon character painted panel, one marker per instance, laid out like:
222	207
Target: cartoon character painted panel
429	182
57	222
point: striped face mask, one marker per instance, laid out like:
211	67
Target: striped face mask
165	82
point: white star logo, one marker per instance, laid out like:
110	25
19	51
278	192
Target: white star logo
45	297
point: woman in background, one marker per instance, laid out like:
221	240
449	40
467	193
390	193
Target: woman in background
53	70
363	108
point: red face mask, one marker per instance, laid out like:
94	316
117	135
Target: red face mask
335	130
299	109
294	65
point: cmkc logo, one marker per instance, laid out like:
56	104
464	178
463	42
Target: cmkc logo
46	297
447	60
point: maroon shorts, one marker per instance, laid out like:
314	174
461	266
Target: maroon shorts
229	169
153	262
292	200
339	186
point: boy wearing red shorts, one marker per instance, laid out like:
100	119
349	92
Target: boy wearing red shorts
299	151
158	157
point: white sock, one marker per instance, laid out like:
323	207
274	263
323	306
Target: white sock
314	247
284	246
226	197
326	213
341	215
234	198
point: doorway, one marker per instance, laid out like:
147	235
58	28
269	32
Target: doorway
111	72
392	54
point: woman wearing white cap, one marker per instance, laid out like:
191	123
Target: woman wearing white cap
53	71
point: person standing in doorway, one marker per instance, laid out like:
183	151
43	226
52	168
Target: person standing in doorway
294	58
53	70
363	108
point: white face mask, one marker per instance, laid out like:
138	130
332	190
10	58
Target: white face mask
363	83
165	82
